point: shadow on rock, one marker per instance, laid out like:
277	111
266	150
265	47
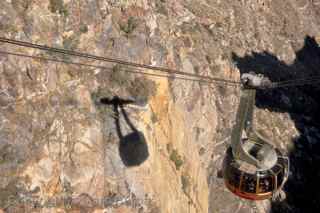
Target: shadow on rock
303	104
133	148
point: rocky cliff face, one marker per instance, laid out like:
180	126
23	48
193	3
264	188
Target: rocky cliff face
60	147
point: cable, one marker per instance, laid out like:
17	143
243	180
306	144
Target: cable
195	77
297	82
136	71
112	60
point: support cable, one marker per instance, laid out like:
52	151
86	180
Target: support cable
112	60
131	70
169	73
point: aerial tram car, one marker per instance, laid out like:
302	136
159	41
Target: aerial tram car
253	168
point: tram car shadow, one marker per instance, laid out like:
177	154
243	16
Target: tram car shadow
133	148
302	103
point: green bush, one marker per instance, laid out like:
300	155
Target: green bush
58	6
185	181
176	158
83	28
129	27
161	7
6	154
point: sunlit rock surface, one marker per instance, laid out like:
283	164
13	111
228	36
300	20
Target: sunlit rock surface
59	145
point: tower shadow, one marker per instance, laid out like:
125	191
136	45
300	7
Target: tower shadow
302	103
133	148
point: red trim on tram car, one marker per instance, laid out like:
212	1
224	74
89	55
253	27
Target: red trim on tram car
250	196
